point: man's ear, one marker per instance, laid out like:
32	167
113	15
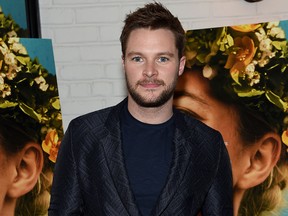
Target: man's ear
29	166
262	160
182	65
123	60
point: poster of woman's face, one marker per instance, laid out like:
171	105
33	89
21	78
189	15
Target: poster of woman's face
30	120
236	81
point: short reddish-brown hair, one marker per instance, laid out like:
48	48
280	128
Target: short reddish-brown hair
153	16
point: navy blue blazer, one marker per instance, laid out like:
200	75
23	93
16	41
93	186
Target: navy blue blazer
90	176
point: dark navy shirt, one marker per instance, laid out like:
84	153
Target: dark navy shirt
147	154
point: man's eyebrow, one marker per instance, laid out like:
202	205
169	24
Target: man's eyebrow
166	53
183	93
134	53
158	54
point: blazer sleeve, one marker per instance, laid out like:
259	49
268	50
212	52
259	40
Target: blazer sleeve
219	201
65	193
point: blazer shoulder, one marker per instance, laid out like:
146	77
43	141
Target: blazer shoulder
89	121
92	118
97	119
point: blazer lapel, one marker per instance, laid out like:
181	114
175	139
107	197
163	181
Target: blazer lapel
181	157
114	155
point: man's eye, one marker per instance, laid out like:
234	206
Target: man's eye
163	59
137	59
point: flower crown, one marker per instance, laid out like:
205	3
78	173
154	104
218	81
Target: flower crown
28	92
252	61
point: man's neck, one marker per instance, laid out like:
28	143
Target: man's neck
151	115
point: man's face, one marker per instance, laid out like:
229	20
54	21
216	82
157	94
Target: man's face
152	66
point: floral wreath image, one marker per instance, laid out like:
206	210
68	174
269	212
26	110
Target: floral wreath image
28	92
251	63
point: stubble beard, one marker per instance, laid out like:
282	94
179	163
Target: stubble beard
151	102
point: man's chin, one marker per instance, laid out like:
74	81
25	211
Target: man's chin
151	99
150	102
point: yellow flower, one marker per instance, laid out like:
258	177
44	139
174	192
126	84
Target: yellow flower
51	144
241	57
246	28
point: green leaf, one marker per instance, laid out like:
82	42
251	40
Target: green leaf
275	99
251	93
235	76
23	60
7	104
201	57
30	112
279	44
55	102
230	40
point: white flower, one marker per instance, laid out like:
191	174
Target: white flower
255	79
11	73
10	59
1	82
39	80
263	61
5	90
19	48
4	48
12	34
250	68
208	72
261	34
43	86
272	24
42	83
277	32
265	45
253	76
13	40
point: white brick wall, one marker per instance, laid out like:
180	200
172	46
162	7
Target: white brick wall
85	36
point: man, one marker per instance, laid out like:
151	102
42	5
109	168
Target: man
142	157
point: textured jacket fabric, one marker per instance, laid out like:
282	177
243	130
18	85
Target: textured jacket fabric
90	176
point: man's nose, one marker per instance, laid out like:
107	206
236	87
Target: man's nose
150	69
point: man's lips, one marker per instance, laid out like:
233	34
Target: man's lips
151	84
